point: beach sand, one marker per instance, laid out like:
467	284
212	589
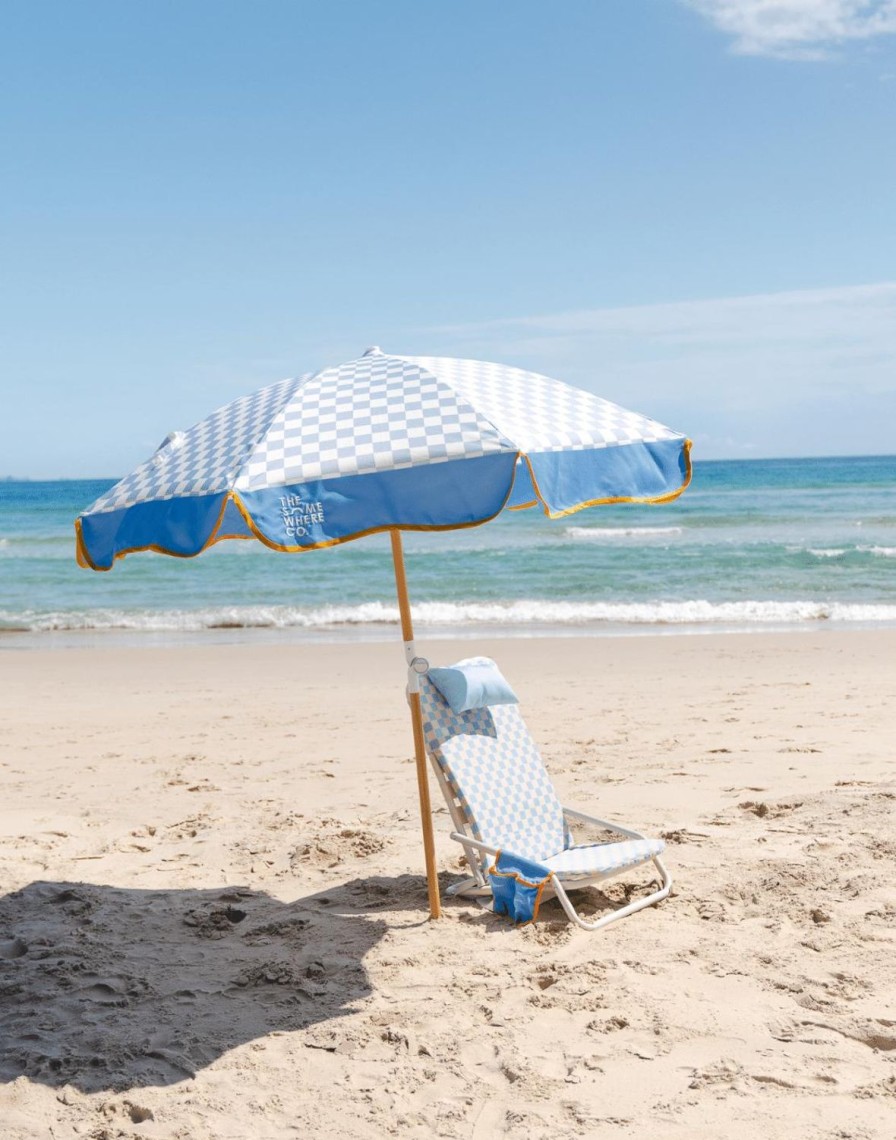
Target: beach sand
213	920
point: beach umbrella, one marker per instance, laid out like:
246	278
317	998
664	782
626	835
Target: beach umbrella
384	443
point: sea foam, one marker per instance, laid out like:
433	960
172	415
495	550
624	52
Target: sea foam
531	613
604	533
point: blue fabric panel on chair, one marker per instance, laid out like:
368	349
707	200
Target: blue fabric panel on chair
517	884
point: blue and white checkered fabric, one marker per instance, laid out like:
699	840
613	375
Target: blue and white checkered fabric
375	414
603	858
538	413
207	458
494	769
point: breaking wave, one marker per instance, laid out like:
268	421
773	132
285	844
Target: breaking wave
529	613
844	551
603	533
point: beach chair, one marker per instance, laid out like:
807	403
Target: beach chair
501	800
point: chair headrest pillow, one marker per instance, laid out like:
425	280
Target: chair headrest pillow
474	683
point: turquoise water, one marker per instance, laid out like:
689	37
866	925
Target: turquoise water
751	544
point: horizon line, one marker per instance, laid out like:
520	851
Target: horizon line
717	459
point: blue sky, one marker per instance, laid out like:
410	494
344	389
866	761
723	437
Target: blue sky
686	206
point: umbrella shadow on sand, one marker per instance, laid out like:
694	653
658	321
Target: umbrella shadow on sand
107	988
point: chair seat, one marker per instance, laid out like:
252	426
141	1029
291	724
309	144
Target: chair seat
603	858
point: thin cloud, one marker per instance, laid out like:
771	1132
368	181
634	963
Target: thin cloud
818	363
832	331
797	29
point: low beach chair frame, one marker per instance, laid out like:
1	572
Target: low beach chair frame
480	855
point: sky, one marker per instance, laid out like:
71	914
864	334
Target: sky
686	206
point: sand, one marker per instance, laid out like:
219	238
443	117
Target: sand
213	922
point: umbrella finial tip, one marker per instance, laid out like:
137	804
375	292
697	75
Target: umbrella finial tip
374	350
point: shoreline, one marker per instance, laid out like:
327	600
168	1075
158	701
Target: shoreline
383	633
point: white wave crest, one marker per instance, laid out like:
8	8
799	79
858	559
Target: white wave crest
511	614
841	552
603	533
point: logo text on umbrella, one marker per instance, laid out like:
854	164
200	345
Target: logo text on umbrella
298	516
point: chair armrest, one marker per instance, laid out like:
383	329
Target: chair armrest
468	842
581	816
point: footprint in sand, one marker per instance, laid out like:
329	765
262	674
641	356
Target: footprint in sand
110	991
334	843
215	921
764	810
13	948
104	994
136	1113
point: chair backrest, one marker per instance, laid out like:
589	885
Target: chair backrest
492	766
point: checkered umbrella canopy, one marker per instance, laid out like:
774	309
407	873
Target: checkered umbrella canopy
383	443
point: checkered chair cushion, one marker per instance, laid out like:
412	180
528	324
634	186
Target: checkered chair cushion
493	768
603	858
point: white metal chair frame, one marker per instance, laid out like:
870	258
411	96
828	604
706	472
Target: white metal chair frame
477	854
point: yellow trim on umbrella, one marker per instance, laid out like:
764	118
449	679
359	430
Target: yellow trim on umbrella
85	560
667	498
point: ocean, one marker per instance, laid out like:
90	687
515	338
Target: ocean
752	544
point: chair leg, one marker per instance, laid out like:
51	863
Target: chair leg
468	889
574	916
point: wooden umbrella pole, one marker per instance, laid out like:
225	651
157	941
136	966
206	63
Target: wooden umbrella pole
407	634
